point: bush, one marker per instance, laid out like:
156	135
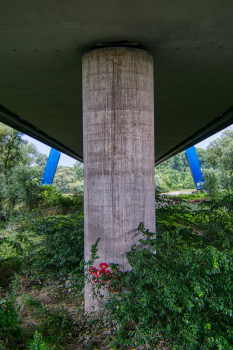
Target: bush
193	196
183	292
38	343
210	219
10	330
9	326
60	249
52	201
212	183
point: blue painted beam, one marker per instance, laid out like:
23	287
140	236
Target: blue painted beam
195	167
51	167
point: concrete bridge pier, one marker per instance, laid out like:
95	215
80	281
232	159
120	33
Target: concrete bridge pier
118	133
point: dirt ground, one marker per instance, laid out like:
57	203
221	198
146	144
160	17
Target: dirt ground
176	193
56	311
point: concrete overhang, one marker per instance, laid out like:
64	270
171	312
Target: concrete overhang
41	48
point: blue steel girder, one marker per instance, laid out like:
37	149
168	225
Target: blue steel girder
195	167
51	167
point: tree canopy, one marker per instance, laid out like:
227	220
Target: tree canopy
22	167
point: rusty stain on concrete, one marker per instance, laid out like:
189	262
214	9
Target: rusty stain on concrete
114	57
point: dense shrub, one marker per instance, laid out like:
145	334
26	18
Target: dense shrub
183	292
10	329
60	249
212	183
180	293
193	196
9	323
38	343
52	201
212	220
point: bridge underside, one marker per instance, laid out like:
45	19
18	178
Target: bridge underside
41	48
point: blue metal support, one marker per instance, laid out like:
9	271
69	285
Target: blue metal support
51	167
195	167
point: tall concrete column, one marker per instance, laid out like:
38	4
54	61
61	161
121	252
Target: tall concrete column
118	133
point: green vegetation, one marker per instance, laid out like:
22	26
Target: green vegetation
38	343
174	174
216	163
21	171
178	298
69	180
60	245
183	293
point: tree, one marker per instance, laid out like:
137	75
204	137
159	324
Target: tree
175	174
220	158
78	169
202	156
10	151
212	183
64	178
41	160
20	173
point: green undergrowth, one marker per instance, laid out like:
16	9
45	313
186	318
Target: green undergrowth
181	289
34	320
10	328
59	250
179	293
38	343
51	247
193	196
43	250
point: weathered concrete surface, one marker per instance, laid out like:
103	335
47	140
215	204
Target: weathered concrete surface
118	133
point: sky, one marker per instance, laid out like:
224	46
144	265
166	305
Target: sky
68	161
42	148
204	144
